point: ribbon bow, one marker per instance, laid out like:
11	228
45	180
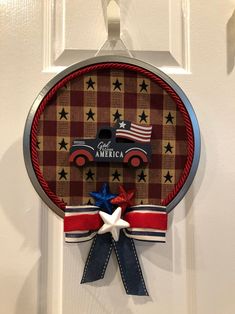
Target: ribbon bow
141	222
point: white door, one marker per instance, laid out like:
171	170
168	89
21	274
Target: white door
194	272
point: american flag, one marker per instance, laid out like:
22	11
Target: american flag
132	131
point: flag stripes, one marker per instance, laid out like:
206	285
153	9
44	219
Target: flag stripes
76	236
147	223
81	223
134	132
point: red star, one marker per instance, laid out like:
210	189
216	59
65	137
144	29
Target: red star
124	199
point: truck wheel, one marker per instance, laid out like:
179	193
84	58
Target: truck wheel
135	162
80	161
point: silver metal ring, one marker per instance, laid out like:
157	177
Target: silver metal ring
105	59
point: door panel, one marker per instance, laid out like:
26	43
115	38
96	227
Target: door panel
162	39
194	272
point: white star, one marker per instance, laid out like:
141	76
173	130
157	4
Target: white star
122	124
113	223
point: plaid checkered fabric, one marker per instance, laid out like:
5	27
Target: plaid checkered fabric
99	99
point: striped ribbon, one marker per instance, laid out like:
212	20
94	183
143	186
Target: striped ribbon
147	223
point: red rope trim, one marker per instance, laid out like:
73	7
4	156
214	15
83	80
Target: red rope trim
120	66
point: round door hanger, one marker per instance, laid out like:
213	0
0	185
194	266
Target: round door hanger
112	144
111	120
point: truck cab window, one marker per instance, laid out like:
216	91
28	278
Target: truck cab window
105	134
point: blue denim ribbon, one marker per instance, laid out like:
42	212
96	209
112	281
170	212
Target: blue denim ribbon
127	258
124	248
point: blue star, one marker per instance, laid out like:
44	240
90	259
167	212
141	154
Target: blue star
103	198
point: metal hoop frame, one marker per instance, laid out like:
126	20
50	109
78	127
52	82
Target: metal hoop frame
89	62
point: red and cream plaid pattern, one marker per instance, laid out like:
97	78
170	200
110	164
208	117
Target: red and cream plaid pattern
97	99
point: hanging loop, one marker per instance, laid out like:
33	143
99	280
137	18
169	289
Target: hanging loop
113	44
113	21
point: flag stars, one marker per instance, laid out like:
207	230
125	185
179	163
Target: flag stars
103	198
90	84
63	114
143	117
168	148
168	177
124	199
143	86
169	118
113	223
89	202
116	116
37	144
90	115
117	85
63	144
63	174
122	125
116	175
142	176
90	175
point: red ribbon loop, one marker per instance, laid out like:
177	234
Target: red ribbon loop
147	223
